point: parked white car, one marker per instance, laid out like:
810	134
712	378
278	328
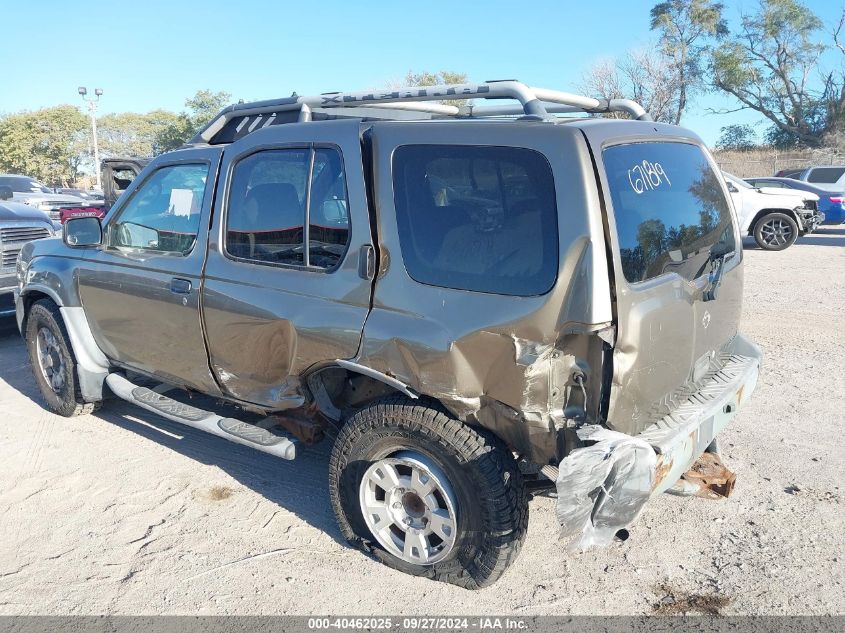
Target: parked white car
773	217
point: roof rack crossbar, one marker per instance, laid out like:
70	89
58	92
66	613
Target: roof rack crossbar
536	102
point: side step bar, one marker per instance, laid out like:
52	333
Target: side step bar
227	428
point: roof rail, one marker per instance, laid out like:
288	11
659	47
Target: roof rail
534	102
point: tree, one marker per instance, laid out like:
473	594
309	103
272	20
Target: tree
769	66
641	75
686	26
835	91
46	144
426	78
737	137
202	108
133	134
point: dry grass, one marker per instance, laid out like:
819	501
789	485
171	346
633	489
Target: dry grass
677	602
219	493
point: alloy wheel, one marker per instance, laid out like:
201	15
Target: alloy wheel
410	507
776	232
51	361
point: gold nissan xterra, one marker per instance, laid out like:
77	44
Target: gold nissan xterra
476	301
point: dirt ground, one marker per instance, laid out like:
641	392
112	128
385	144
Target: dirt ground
123	512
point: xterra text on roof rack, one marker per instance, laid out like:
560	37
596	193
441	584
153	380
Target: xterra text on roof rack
482	300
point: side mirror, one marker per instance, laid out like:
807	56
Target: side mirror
732	188
6	192
82	232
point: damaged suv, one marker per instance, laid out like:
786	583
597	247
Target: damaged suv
482	300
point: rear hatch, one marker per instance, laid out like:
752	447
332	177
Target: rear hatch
670	227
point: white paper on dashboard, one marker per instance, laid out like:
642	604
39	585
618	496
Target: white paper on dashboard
181	201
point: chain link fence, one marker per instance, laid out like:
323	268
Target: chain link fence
755	163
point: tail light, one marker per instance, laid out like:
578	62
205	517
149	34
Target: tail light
66	213
837	199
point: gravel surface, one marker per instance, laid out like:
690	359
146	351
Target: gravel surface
123	512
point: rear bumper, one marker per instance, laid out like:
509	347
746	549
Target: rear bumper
681	437
603	487
834	214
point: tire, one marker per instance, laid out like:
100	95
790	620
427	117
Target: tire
59	386
470	467
775	232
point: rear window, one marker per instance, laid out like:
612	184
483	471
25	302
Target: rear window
669	209
826	174
479	218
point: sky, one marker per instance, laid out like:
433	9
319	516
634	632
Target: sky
154	54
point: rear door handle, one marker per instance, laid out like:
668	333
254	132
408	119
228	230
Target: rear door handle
180	286
367	262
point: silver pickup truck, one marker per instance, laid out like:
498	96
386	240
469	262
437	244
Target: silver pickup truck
477	301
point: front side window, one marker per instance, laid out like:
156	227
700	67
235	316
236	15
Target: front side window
669	207
275	195
480	218
163	214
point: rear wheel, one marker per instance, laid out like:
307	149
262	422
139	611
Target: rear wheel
775	231
52	360
428	495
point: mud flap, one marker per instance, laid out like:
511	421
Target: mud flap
602	487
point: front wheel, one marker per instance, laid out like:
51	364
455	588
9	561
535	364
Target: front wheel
775	232
427	494
52	360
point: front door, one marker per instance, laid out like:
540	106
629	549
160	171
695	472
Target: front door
283	289
141	288
669	219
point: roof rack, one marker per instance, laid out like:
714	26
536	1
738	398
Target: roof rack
539	103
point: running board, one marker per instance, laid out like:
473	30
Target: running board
227	428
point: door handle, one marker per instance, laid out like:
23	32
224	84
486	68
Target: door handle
367	262
180	286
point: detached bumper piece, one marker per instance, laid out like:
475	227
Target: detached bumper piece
228	428
603	487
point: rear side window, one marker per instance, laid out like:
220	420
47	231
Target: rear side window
826	174
478	218
669	208
281	199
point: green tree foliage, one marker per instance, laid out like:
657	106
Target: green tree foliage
769	67
202	107
134	134
737	137
686	28
426	78
46	144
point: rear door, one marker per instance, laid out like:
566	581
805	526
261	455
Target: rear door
285	285
667	209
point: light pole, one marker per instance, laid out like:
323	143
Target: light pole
92	110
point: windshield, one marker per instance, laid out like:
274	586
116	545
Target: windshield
736	181
22	184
